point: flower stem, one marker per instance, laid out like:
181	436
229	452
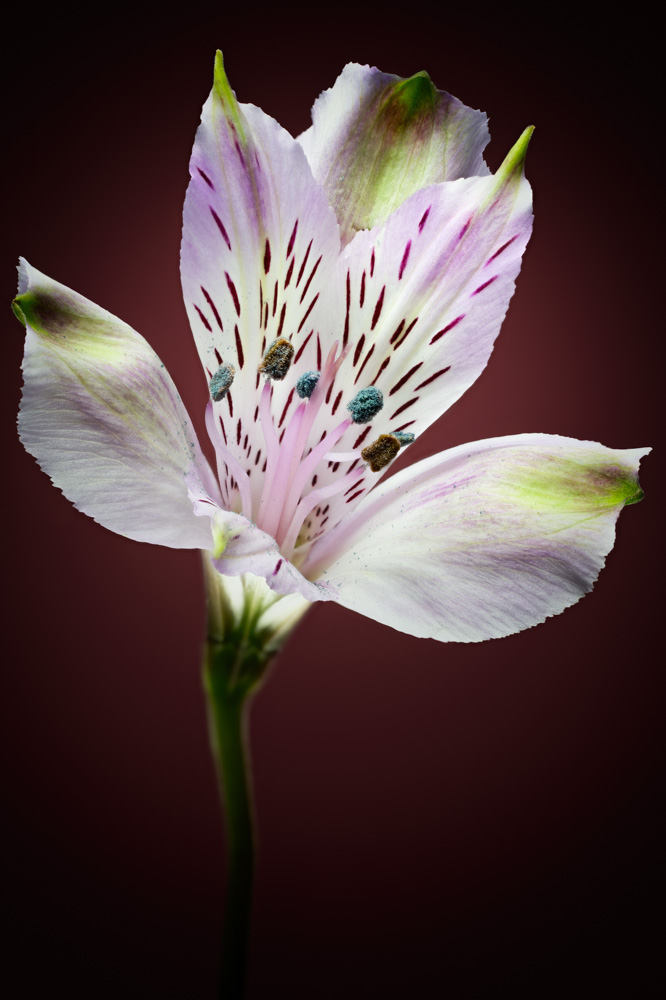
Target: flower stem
229	705
247	626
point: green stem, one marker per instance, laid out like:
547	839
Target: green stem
247	625
229	706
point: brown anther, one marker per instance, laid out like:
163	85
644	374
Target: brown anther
277	360
381	452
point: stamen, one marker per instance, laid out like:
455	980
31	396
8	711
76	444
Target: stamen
307	383
366	404
221	382
381	452
277	360
404	437
310	501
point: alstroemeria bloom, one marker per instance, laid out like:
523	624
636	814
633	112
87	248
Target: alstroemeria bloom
344	289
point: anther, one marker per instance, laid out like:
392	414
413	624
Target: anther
277	360
381	452
404	437
366	404
221	381
306	384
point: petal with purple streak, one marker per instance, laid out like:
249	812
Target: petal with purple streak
103	418
483	540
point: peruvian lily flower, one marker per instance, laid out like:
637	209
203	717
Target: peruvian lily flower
344	289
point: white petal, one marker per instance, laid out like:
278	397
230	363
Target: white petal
259	243
241	547
376	139
421	299
483	540
103	418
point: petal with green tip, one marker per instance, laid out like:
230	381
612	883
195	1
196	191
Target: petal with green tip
259	244
377	138
421	299
103	418
483	540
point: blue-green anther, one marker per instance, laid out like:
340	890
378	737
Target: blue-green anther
366	404
306	384
221	382
404	437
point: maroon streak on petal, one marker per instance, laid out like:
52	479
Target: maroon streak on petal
378	308
359	348
405	258
318	352
406	334
312	274
290	271
279	563
305	260
464	228
281	323
224	433
484	285
361	438
397	332
336	403
220	226
424	218
267	257
218	356
501	249
432	378
372	262
365	361
239	347
206	178
362	294
353	496
212	305
399	384
203	319
275	295
286	407
345	336
402	426
239	430
230	404
292	238
307	313
383	365
234	293
446	329
302	348
405	406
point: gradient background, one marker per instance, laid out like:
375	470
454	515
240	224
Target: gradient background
434	819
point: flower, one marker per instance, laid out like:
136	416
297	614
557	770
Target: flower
344	289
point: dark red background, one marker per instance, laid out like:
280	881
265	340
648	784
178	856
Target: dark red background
434	819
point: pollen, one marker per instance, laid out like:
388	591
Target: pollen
366	404
277	360
306	384
404	437
221	382
381	452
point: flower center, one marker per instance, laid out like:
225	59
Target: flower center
285	500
